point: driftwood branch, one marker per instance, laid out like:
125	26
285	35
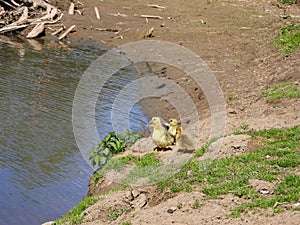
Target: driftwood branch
57	31
34	12
36	31
151	17
109	29
156	6
66	32
71	8
8	4
12	28
97	12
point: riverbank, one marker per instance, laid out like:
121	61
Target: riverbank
236	40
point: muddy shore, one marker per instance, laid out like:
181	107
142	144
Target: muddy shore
234	38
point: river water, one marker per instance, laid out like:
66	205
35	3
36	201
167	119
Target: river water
42	172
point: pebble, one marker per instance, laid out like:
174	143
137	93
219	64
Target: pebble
172	209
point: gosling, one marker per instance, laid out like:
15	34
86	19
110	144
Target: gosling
174	130
160	136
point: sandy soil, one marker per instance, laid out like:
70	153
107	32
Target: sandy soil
235	39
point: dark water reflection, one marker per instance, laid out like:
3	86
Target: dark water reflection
43	174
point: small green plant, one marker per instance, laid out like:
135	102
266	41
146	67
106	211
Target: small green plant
242	129
126	223
281	90
288	39
128	159
196	204
179	205
205	148
75	216
112	144
287	2
232	97
148	159
114	213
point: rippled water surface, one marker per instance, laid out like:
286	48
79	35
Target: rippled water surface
42	172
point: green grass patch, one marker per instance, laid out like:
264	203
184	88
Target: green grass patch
205	148
148	159
288	38
75	216
276	160
287	2
280	91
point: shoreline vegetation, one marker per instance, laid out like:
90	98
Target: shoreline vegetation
252	47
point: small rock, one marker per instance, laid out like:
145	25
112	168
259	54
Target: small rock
190	173
48	223
139	202
135	193
236	146
233	112
172	209
264	191
297	204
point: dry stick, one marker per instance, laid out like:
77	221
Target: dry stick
97	13
22	19
67	31
8	4
156	6
151	17
12	28
71	9
80	3
109	29
36	31
57	31
35	21
15	3
78	11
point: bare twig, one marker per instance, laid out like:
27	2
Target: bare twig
109	29
118	14
66	32
71	8
57	31
151	17
156	6
148	33
97	13
12	28
8	4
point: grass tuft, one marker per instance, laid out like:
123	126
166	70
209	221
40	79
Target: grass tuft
288	38
280	91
